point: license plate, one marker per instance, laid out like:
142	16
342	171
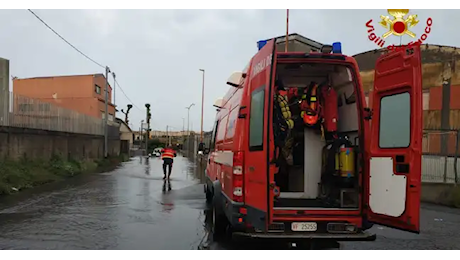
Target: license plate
304	226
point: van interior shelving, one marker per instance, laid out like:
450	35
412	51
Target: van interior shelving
303	177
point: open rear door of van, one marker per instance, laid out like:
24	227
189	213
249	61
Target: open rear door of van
395	154
259	182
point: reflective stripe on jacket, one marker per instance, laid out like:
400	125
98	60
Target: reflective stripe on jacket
168	153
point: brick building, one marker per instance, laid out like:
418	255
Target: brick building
81	93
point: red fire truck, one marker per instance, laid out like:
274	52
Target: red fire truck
269	178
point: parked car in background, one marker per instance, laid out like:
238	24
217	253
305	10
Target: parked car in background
157	152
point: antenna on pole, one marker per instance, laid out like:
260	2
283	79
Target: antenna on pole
287	31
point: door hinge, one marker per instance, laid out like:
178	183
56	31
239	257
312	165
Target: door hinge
368	113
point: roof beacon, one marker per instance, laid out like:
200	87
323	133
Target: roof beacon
261	44
337	47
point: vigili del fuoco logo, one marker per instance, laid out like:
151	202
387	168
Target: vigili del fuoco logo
399	23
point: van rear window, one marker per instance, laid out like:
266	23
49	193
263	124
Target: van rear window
221	129
256	119
232	122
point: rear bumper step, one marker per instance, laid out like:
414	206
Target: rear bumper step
363	236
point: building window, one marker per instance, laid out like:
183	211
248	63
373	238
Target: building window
110	117
97	89
103	114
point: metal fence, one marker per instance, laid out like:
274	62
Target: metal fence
440	162
191	142
26	112
190	146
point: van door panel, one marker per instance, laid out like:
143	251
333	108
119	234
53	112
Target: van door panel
395	153
257	177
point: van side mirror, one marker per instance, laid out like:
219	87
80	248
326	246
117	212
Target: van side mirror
201	147
368	113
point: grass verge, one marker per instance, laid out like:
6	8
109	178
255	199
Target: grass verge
26	174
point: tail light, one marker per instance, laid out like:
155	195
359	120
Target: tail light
238	166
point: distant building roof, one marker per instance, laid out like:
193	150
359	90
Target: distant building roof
120	121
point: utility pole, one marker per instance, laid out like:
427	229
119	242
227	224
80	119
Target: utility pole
148	116
202	105
106	119
168	136
114	87
287	31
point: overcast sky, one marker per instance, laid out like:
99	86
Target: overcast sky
157	54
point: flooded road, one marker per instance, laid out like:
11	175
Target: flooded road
133	208
129	208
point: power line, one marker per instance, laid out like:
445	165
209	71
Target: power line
86	56
75	48
122	91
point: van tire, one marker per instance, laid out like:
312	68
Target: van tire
219	221
208	193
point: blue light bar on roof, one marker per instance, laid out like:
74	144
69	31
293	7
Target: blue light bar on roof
337	47
261	44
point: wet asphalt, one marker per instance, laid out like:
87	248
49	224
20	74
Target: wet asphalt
133	208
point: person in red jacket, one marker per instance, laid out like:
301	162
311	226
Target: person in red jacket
167	155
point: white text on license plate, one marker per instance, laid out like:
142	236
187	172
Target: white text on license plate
304	226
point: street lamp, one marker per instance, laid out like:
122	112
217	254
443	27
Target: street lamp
202	105
188	118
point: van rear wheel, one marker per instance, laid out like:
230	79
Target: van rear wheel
219	222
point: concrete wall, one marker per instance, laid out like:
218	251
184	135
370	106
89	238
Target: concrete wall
16	143
441	193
